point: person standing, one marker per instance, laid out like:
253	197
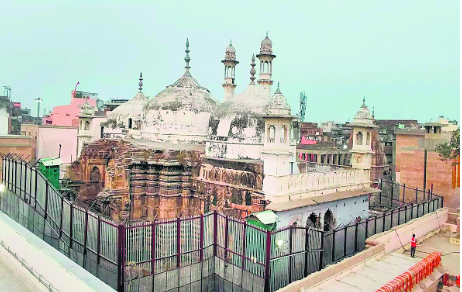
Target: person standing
413	245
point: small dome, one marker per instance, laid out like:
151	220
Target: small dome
239	118
132	109
230	52
278	104
266	45
363	116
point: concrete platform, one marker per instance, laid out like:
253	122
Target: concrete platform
61	272
369	276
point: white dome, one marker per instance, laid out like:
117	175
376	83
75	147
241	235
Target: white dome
241	115
179	113
131	109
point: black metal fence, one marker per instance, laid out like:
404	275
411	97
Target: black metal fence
211	252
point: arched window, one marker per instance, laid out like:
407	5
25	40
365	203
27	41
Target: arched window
248	199
368	138
95	174
271	134
359	138
130	123
87	125
328	220
283	134
312	221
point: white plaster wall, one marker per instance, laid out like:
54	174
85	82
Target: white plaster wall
96	128
165	125
282	188
344	211
419	226
48	141
229	150
3	121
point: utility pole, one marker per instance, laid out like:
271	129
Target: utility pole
38	100
425	169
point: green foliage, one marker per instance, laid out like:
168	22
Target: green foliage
451	150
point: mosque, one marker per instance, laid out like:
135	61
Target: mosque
185	153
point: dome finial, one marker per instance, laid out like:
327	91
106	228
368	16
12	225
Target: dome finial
278	90
364	103
266	33
230	42
373	110
141	81
252	70
187	58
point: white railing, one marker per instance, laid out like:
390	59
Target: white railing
308	182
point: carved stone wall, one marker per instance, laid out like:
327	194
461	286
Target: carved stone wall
232	187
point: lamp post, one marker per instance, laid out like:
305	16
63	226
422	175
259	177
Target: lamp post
7	91
38	100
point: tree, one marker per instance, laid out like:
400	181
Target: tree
451	150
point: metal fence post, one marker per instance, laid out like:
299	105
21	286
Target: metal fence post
153	250
85	239
392	193
307	248
290	254
405	214
61	219
345	241
391	219
268	262
321	256
215	233
383	225
404	193
333	246
367	227
98	243
416	195
121	258
30	185
35	190
178	242
201	242
356	237
226	238
71	225
243	245
381	190
46	199
431	190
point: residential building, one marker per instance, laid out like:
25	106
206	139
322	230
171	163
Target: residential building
67	115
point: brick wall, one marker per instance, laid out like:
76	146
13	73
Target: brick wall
19	145
410	166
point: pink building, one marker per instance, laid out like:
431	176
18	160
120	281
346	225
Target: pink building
67	115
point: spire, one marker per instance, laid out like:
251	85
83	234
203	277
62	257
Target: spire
230	42
187	59
252	71
373	114
140	84
364	102
278	91
266	33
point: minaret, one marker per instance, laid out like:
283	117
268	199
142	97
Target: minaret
252	71
362	138
140	84
230	70
266	65
187	58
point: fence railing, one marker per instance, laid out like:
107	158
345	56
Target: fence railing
207	252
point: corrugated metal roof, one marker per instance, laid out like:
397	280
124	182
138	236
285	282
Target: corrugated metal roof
293	204
51	161
266	217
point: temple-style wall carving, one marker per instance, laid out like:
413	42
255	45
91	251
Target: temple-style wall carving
232	187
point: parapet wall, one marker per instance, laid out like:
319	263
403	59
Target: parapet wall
297	184
401	235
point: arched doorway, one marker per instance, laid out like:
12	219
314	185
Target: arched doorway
328	220
312	221
95	174
130	122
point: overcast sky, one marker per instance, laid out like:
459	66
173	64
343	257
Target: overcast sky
402	55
